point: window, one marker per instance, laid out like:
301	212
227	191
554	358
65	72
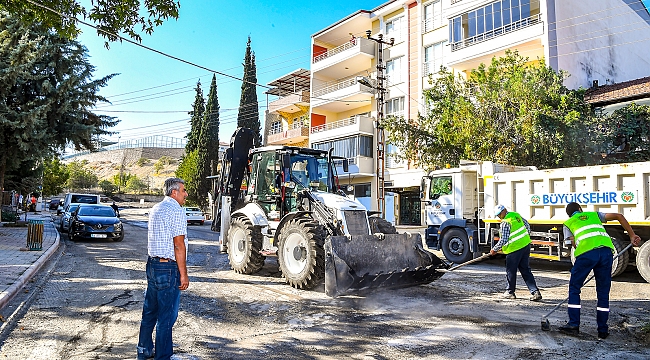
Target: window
391	159
440	186
349	147
276	127
362	190
433	58
394	29
432	16
395	106
394	71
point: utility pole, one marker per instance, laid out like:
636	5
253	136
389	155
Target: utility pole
381	140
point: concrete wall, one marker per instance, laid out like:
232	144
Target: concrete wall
605	40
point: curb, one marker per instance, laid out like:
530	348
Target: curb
29	273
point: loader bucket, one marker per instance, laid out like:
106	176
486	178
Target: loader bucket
361	263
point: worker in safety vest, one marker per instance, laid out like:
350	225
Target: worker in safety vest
515	243
593	251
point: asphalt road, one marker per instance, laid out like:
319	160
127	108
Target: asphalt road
87	303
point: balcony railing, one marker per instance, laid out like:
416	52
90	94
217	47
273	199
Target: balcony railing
340	84
396	114
520	24
295	125
430	67
331	52
430	24
335	125
282	136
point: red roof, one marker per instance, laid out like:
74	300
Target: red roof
625	91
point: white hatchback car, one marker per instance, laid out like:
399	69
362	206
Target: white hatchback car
194	215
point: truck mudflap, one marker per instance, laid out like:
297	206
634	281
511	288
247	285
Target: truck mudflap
360	263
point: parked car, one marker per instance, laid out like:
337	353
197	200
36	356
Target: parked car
64	222
54	204
194	215
73	198
95	222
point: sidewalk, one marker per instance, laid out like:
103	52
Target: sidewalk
17	267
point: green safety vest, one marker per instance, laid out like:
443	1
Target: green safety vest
588	232
519	237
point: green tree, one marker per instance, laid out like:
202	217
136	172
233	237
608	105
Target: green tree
208	153
623	135
107	187
80	177
198	109
248	115
114	17
46	95
513	111
187	170
121	179
55	176
136	185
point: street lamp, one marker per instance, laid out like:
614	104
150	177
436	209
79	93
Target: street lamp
379	129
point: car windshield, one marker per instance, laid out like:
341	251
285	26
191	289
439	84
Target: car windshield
192	209
311	171
96	211
72	208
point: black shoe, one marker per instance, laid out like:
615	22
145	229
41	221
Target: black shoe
603	335
569	330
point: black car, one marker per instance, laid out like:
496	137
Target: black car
54	204
95	222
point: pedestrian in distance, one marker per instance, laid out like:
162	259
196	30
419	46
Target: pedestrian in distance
593	251
515	243
116	209
166	271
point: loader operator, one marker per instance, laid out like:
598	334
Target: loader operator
515	243
593	251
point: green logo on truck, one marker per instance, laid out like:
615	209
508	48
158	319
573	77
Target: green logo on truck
535	199
627	196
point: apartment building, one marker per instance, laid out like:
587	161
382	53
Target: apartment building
598	41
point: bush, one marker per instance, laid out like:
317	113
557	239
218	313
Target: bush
108	187
9	215
142	162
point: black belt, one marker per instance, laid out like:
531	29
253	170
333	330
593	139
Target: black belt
161	259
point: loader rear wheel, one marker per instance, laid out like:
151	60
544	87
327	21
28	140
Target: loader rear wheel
619	264
244	245
455	246
379	225
643	261
301	253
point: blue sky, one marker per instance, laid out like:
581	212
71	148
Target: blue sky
212	34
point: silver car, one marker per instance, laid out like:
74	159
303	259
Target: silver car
64	224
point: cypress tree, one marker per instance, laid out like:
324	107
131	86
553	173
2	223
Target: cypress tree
198	108
249	116
208	145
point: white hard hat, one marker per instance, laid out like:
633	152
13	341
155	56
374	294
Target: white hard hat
498	209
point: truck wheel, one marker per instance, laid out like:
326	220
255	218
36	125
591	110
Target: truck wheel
301	253
244	245
455	246
620	264
643	261
379	225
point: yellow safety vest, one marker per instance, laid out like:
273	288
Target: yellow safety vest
588	232
519	237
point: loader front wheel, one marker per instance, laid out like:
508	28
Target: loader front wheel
379	225
455	246
643	261
244	245
301	253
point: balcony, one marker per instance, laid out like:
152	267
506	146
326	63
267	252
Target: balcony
523	35
350	126
342	95
350	58
289	103
358	165
294	135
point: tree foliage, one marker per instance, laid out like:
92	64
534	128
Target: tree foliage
80	177
208	146
111	16
187	170
136	185
624	135
55	176
107	187
248	115
46	95
121	179
198	109
513	111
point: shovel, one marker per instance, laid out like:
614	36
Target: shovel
480	258
546	326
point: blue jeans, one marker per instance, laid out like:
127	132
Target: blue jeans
519	260
160	309
600	260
